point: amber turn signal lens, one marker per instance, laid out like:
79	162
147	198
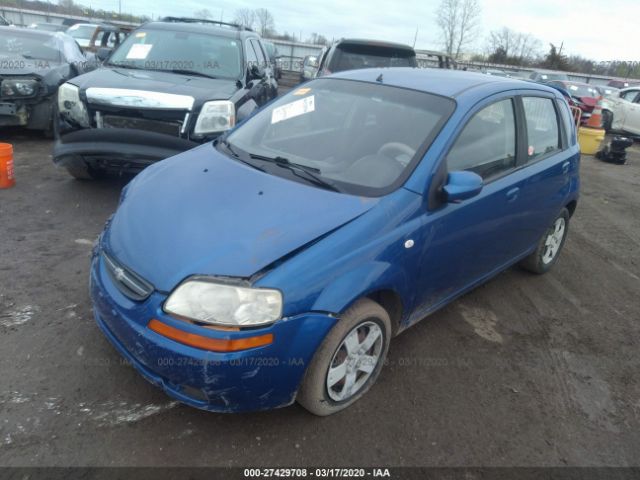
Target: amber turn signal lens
207	343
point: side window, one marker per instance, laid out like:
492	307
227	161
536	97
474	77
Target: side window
542	126
487	145
259	53
629	96
252	58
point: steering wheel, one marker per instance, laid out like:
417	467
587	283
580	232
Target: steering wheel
392	149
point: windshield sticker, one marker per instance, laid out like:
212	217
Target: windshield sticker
302	91
139	51
293	109
141	34
573	87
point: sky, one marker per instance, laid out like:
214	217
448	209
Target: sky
596	29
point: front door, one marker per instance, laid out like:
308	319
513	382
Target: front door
465	242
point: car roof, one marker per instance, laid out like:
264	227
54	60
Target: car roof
443	82
372	43
195	27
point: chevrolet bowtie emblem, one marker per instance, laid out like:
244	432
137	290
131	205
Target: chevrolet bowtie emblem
119	274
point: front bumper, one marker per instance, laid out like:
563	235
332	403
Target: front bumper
32	113
255	379
117	149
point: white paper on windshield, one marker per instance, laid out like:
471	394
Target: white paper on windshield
293	109
139	51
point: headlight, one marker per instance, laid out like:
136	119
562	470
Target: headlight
206	301
217	116
70	105
17	87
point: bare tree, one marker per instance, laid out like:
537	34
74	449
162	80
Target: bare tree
67	5
264	21
508	46
245	17
205	14
459	23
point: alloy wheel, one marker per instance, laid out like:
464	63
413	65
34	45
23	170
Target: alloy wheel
354	361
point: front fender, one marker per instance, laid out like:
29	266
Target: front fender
365	280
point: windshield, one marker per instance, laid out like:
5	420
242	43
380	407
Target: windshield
31	46
351	57
82	34
177	50
550	76
361	137
578	90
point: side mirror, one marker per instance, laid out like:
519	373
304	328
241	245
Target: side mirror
462	185
103	53
255	72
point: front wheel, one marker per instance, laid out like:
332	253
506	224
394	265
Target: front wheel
549	246
349	360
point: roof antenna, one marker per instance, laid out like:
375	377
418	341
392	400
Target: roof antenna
379	79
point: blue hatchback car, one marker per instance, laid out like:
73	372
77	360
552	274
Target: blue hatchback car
276	263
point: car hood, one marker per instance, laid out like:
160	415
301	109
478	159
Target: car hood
202	213
200	88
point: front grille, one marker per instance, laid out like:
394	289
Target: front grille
129	283
117	121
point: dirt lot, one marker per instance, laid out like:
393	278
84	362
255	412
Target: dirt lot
526	370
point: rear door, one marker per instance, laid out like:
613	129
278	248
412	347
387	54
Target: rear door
621	106
550	163
632	118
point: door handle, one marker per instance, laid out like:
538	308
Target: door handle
513	194
565	167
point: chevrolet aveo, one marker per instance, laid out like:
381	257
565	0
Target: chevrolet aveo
275	264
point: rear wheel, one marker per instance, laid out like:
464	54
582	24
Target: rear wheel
607	120
349	360
549	246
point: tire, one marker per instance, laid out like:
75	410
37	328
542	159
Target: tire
549	247
607	120
363	318
81	171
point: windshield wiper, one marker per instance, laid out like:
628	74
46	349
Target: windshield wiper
187	72
303	171
232	150
123	65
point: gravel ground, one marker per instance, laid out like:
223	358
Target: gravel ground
526	370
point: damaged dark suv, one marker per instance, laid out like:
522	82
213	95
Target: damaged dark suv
170	86
33	64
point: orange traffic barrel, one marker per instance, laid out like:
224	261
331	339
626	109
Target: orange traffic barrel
6	166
